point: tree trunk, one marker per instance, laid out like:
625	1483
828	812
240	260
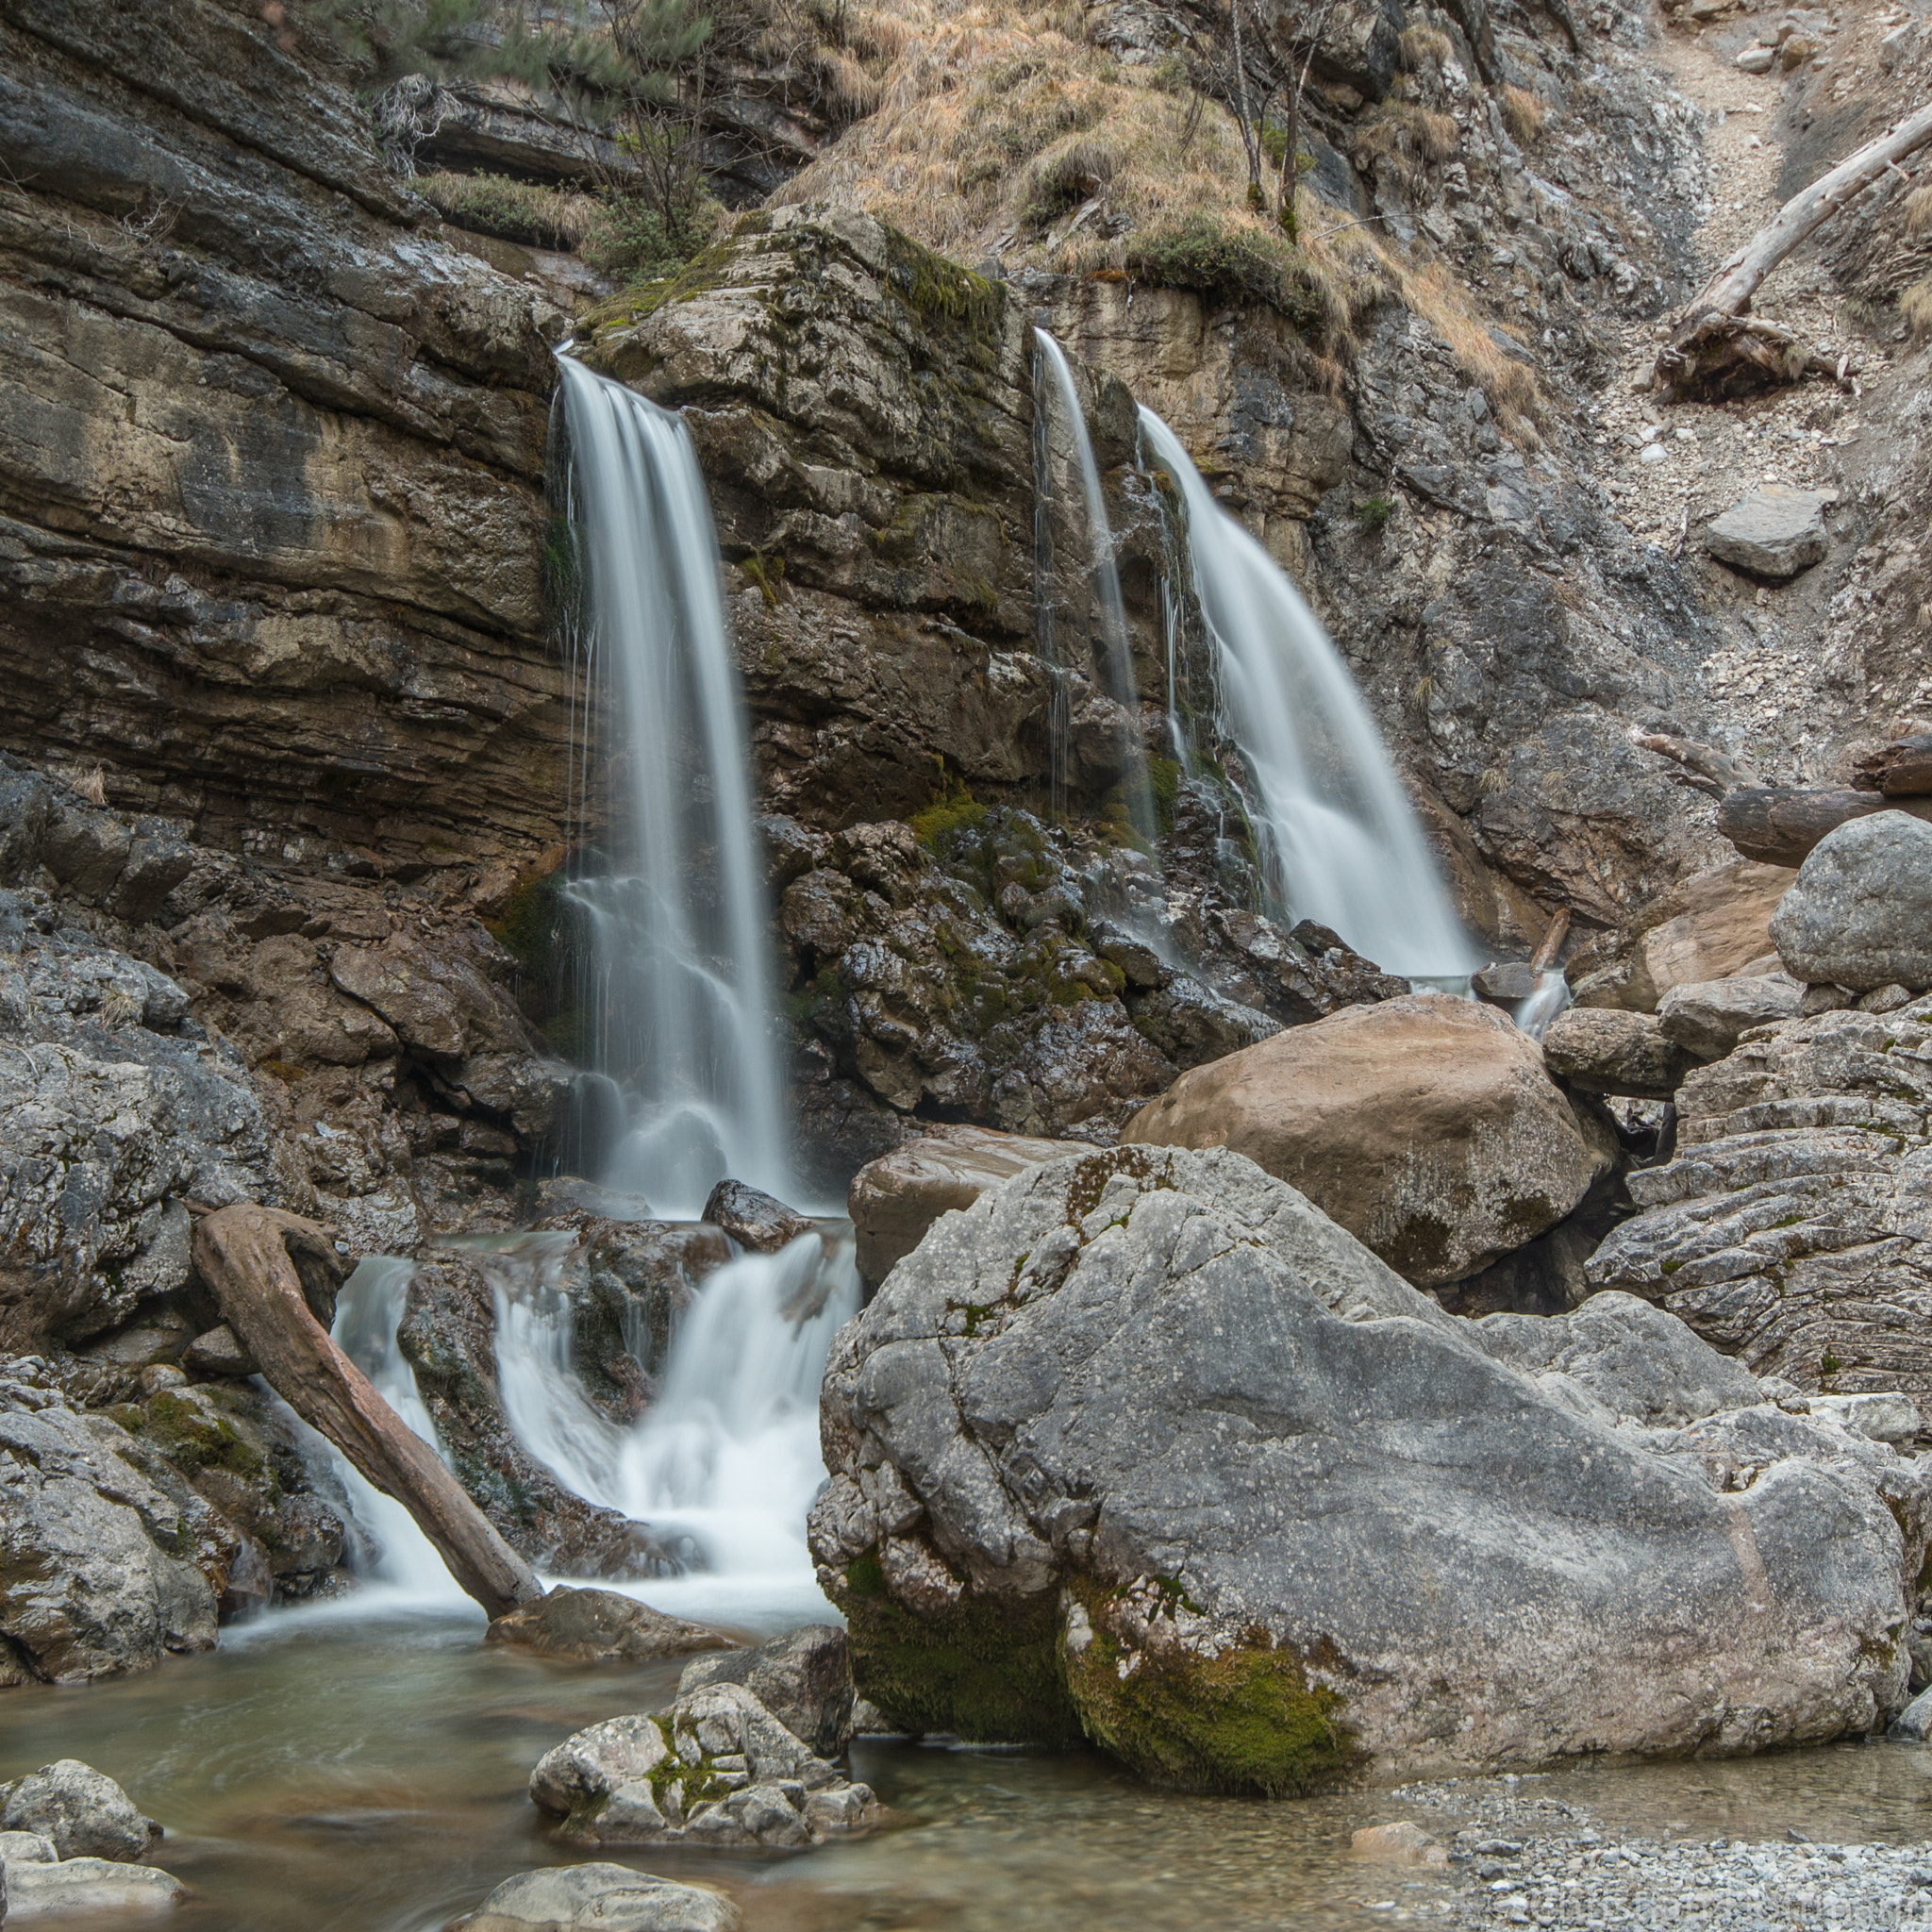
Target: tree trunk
1903	770
1717	348
1780	826
273	1276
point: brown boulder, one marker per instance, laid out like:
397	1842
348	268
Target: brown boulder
1601	1050
1425	1125
1704	928
892	1201
600	1627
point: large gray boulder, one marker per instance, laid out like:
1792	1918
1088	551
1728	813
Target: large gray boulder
1773	532
1861	912
600	1898
80	1811
1142	1446
1707	1017
802	1678
104	1570
1791	1228
715	1769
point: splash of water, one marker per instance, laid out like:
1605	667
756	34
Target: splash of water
1062	442
679	1005
1552	995
1340	838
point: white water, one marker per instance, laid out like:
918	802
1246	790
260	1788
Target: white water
728	1456
1056	407
1339	836
680	1006
1552	995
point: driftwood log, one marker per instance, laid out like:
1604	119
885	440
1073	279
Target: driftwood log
1779	826
275	1277
1900	770
1718	348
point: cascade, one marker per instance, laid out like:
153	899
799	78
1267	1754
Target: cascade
678	1004
1057	407
1340	840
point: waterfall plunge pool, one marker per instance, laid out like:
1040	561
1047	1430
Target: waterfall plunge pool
317	1775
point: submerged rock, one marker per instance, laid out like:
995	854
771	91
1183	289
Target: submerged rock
1143	1447
1861	913
78	1810
599	1626
600	1898
715	1769
1425	1125
802	1678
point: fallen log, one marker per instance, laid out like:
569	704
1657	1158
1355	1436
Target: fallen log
1717	347
1559	931
1900	770
1779	825
275	1277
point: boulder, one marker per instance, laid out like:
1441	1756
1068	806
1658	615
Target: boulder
1707	1017
600	1898
1402	1843
1861	912
1605	1050
802	1678
79	1811
1704	927
26	1848
892	1201
754	1220
1504	985
600	1627
1425	1125
715	1769
1143	1446
1789	1227
1775	531
91	1886
106	1571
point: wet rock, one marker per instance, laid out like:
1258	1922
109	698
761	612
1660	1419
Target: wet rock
1425	1125
89	1885
101	1573
754	1220
1153	1440
1705	1017
1707	926
1861	912
600	1898
1139	962
599	1626
1787	1229
1504	985
894	1199
109	1115
1192	1025
1403	1843
1773	532
802	1678
716	1768
1603	1049
1914	1722
81	1812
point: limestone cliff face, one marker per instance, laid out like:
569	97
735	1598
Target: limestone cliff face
271	522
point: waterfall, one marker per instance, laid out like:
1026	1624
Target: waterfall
678	1008
1057	403
1340	840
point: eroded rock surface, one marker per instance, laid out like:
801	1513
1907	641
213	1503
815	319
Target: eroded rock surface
1143	1446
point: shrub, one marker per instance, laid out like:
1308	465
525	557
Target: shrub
1373	514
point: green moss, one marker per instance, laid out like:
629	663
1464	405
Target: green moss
952	812
987	1669
187	1436
769	578
941	289
1828	1364
1668	1267
1226	265
1247	1721
1164	787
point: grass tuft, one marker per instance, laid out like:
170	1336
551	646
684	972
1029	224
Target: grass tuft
1523	115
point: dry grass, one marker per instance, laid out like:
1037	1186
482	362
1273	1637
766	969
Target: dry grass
1434	293
516	210
91	784
1918	211
1424	46
1412	139
1523	115
1915	304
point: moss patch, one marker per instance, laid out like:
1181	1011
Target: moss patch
987	1670
1247	1721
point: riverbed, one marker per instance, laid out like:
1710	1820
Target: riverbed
353	1769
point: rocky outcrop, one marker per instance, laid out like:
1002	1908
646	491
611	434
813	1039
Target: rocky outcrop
1791	1228
271	531
1861	913
715	1769
1425	1125
1143	1447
